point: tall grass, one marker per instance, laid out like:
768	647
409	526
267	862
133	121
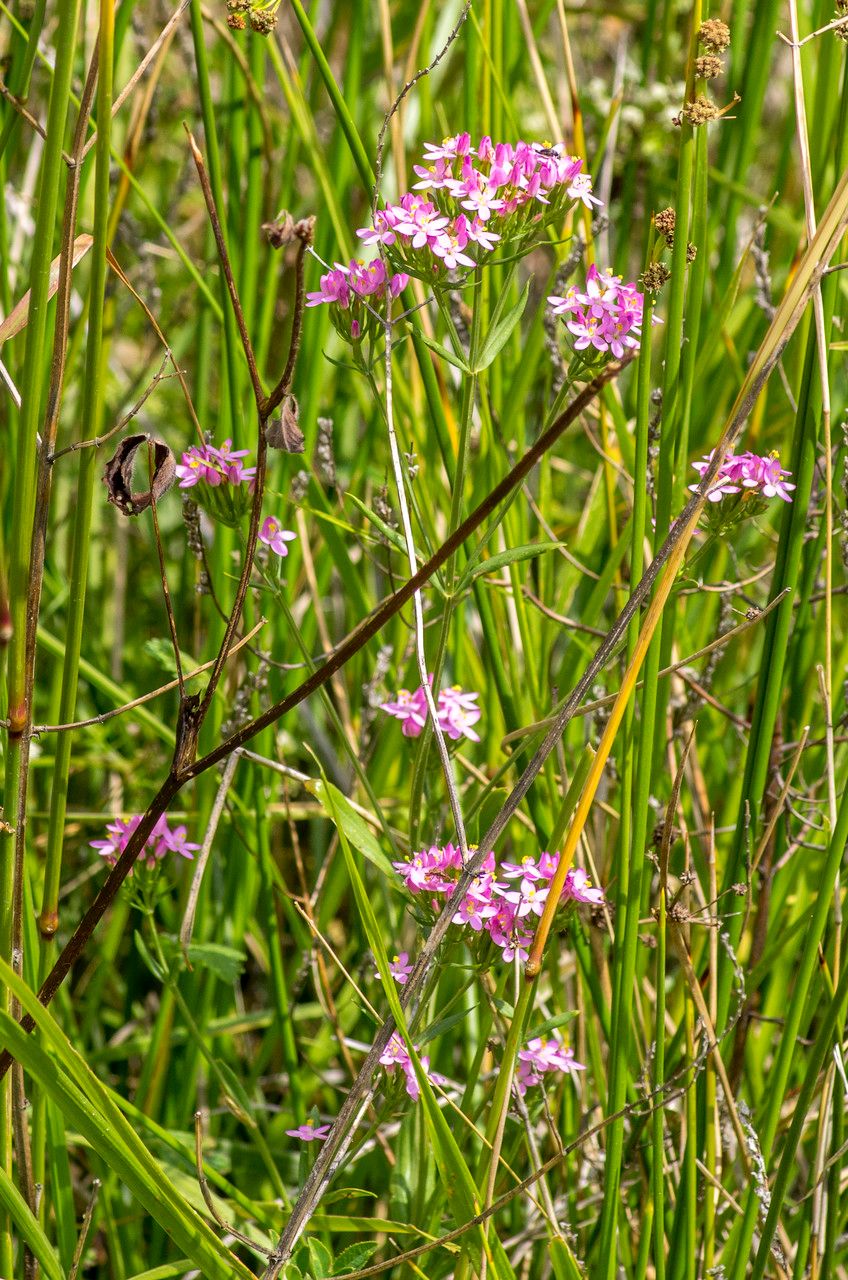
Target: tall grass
206	1007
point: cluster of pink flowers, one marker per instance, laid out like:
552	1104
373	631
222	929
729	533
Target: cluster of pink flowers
354	293
502	901
606	315
456	711
396	1055
214	466
222	484
475	197
224	487
541	1055
161	841
747	473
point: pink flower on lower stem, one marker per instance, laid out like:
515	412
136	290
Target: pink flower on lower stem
309	1132
400	967
541	1055
275	536
410	709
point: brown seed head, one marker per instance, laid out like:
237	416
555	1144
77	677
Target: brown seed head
708	66
654	277
691	252
714	35
236	21
263	21
699	111
664	222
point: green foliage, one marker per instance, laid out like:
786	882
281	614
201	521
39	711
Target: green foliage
253	996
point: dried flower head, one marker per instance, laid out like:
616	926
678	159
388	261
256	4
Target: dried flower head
664	221
236	21
263	21
708	66
655	276
691	252
714	35
699	111
281	231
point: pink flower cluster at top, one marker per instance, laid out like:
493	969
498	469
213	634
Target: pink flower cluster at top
606	315
456	711
396	1054
214	466
541	1055
161	841
468	198
749	472
501	901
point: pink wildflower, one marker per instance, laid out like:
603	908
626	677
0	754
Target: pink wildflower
542	1055
275	536
400	968
310	1132
758	475
457	712
162	840
606	315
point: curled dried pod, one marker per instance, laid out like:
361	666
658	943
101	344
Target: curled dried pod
284	431
119	471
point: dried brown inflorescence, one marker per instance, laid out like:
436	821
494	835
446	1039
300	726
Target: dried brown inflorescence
655	276
714	35
665	222
708	66
700	111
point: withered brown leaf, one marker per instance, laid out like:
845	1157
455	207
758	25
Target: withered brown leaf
119	469
284	432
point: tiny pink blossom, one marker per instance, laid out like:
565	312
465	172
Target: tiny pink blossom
275	536
400	968
310	1132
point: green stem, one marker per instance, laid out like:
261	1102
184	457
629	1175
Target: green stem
90	418
26	464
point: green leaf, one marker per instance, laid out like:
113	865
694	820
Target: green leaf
226	963
445	1024
391	535
347	1193
320	1259
355	1256
153	965
502	326
28	1227
551	1024
88	1106
236	1098
338	808
444	354
504	558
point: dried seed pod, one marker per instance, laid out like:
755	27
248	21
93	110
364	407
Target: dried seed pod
284	432
281	231
119	469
